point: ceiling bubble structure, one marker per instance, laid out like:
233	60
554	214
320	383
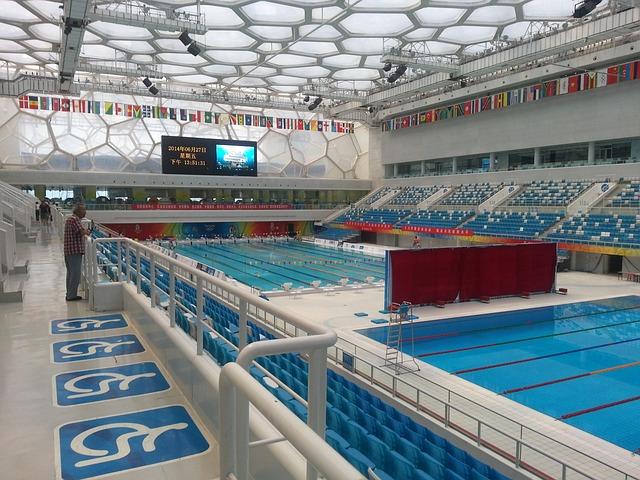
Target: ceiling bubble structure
274	46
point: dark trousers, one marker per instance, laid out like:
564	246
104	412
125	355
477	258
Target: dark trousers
74	270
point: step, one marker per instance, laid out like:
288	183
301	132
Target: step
11	291
21	266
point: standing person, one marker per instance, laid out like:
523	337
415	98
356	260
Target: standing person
416	242
74	234
37	211
45	212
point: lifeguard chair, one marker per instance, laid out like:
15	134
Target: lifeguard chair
400	317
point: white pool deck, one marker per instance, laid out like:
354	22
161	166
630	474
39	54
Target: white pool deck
337	311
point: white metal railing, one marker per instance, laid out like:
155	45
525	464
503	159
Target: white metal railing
302	336
521	445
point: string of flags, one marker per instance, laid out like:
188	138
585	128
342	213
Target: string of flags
561	86
61	104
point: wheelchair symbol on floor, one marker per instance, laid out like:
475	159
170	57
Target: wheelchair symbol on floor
88	324
123	442
100	384
90	348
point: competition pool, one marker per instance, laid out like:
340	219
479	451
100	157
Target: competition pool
267	265
578	363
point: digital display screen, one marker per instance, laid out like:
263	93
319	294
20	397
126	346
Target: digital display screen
235	159
208	156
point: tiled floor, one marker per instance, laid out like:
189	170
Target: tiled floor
28	415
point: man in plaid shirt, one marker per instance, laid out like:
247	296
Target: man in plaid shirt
74	234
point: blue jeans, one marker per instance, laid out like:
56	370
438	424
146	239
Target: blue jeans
74	270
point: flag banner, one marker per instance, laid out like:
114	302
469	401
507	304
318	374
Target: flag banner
562	86
57	104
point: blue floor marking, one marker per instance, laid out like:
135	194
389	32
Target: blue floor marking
99	384
88	324
89	448
90	348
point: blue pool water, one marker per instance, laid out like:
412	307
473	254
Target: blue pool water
267	265
579	363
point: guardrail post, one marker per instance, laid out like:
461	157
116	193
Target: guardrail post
138	271
127	262
120	270
317	398
199	314
242	324
479	433
152	279
518	453
172	295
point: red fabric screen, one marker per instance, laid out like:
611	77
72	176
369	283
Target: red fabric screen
446	274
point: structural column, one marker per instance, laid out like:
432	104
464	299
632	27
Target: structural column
454	165
423	168
591	153
492	161
395	169
536	157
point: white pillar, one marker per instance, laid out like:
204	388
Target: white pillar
536	157
395	169
423	167
454	165
492	161
591	155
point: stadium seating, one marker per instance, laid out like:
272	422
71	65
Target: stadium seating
629	196
369	433
414	195
380	216
437	218
471	194
616	230
550	193
377	196
513	224
337	234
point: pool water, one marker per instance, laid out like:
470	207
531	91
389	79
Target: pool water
267	265
579	363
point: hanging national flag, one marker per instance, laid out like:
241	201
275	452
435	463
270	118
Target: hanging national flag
172	113
208	117
625	72
44	103
137	111
23	101
55	104
574	83
65	105
33	103
108	108
183	115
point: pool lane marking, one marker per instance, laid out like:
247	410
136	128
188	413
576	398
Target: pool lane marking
532	322
487	345
573	377
577	413
540	357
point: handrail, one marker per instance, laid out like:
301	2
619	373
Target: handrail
329	462
309	337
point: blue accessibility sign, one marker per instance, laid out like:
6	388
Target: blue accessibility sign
90	348
88	324
101	446
100	384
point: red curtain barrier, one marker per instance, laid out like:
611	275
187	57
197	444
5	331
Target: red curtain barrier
448	274
206	206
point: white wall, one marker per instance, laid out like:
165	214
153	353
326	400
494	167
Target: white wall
599	114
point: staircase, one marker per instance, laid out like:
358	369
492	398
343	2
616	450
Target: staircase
590	197
436	197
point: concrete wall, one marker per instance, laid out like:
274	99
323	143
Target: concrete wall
600	114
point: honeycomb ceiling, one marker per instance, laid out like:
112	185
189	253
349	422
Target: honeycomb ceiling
243	35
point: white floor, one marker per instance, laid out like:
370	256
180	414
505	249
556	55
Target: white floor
337	311
28	417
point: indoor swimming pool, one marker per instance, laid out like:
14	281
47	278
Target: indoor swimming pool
267	265
578	363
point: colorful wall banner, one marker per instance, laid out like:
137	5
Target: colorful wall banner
210	206
146	231
562	86
61	104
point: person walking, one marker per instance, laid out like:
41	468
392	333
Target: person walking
74	234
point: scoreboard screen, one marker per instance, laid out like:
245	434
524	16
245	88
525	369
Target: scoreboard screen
208	156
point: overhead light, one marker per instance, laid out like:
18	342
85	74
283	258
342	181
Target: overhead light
392	78
312	107
387	67
194	49
153	90
371	109
185	39
305	99
585	8
400	70
146	82
67	29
